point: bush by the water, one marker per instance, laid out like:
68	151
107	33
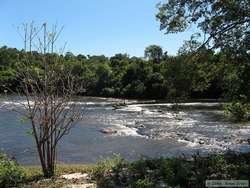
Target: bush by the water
239	110
11	173
172	172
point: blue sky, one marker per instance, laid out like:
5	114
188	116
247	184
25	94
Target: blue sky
92	27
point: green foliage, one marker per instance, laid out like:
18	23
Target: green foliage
239	109
109	173
223	25
172	172
190	46
24	120
205	75
155	86
11	173
154	53
226	23
7	79
136	89
108	92
145	183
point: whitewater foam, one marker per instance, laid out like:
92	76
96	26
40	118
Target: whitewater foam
123	130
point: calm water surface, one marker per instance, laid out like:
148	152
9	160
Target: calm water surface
142	129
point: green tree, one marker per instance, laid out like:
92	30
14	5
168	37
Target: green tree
225	24
178	77
81	57
154	53
155	86
69	56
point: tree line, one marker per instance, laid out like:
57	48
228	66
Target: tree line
207	74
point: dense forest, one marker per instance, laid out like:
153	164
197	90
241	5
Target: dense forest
207	74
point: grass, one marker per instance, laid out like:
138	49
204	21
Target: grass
147	172
35	179
61	169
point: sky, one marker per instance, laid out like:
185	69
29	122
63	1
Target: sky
92	27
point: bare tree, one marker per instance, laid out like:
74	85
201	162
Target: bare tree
49	92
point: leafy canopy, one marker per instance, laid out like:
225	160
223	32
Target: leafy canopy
224	23
154	53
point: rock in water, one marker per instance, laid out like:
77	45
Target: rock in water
201	142
248	140
108	131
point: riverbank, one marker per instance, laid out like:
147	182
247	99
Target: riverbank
67	175
144	173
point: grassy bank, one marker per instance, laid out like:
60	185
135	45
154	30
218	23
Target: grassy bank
34	177
61	169
144	173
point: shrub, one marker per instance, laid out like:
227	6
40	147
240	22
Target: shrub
172	172
239	109
10	172
108	92
145	183
134	89
111	172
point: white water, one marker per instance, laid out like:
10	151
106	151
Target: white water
139	128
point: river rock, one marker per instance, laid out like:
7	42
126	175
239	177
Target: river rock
228	137
108	131
179	134
178	118
234	135
242	141
139	126
201	142
248	140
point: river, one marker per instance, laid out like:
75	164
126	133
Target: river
141	128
